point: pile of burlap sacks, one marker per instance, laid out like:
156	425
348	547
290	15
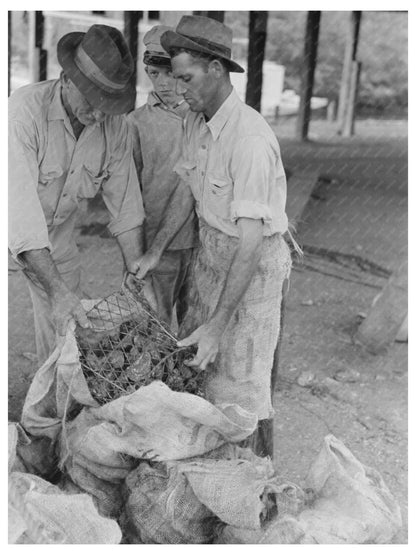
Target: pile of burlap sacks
164	467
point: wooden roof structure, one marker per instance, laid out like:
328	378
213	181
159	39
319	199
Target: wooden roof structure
256	50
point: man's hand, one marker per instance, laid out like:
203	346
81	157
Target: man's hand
208	340
66	305
145	264
132	282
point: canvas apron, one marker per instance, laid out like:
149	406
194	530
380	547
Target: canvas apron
242	370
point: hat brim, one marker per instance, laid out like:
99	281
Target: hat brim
170	39
121	102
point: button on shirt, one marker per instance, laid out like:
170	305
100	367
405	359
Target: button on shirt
233	165
157	132
50	172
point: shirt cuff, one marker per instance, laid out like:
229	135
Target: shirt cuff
34	243
250	209
119	226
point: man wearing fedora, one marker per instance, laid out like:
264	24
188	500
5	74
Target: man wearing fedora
232	173
68	139
157	130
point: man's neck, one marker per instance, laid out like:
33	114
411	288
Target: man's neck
76	125
221	96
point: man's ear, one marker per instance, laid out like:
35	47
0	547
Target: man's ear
217	67
64	79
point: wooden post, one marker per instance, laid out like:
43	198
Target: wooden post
37	55
131	33
350	55
256	48
9	41
308	74
349	124
219	16
382	324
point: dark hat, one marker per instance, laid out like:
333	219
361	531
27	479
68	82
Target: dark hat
155	53
100	65
202	34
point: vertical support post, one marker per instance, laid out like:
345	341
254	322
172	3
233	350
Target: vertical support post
256	49
38	57
131	33
349	123
308	74
9	42
350	56
219	16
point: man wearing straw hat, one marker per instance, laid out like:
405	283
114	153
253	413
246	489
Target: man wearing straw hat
157	129
68	139
232	172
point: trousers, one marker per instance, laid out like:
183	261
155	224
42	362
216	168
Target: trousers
171	282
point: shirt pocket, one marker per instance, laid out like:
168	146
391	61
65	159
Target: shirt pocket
49	172
92	180
219	195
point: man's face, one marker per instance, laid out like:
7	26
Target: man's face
80	106
195	82
163	82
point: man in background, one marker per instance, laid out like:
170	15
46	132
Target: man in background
157	130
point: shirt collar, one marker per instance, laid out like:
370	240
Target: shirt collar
219	119
153	99
56	108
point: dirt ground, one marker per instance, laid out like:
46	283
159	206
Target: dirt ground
361	210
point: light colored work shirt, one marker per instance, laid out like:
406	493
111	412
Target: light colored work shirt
157	132
232	164
50	172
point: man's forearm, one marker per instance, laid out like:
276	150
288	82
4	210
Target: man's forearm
40	263
131	244
180	206
241	271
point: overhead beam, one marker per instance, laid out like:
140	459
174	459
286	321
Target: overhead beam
257	32
310	54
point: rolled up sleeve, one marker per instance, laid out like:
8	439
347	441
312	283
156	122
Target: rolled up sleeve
253	170
121	191
27	227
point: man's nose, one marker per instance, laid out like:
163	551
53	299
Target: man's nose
180	89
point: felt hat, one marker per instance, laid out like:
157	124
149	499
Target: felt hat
202	34
100	65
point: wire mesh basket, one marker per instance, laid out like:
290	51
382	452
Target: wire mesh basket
128	347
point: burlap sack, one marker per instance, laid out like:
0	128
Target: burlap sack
42	513
243	365
161	508
238	491
281	530
57	388
353	503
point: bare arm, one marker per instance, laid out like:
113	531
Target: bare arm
240	274
131	244
65	304
180	205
